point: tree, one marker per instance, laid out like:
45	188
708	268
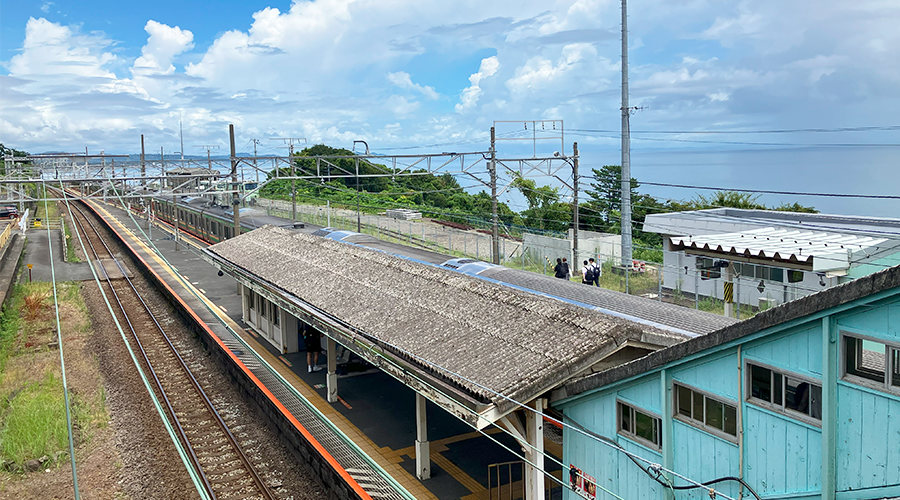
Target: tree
606	196
540	201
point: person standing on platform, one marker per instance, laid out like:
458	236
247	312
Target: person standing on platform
313	340
568	270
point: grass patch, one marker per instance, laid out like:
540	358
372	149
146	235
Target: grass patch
9	329
32	401
34	421
70	245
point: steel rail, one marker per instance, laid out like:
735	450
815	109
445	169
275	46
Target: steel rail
265	491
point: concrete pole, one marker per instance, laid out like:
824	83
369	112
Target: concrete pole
235	199
534	430
143	167
495	230
423	448
626	149
574	255
293	182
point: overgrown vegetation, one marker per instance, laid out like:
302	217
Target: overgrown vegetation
32	401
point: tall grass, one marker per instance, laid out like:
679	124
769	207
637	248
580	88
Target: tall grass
34	421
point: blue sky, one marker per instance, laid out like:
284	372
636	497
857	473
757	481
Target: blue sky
401	73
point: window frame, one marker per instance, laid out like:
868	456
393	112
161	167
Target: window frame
657	420
887	385
702	425
780	408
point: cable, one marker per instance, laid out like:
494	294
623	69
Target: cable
740	143
763	191
62	360
776	131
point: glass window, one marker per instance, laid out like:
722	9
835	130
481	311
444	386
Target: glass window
715	414
684	401
895	372
730	420
776	274
761	383
787	392
698	406
274	313
865	358
640	426
795	276
706	412
625	424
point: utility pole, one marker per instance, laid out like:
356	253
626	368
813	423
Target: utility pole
235	198
626	151
143	167
255	167
575	204
290	141
358	221
495	229
209	149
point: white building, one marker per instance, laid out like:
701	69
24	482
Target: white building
774	256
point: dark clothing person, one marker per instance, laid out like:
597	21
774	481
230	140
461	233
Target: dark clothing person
313	340
597	271
560	271
587	277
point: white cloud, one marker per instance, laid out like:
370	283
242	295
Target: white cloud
400	107
45	8
404	81
538	73
164	43
470	94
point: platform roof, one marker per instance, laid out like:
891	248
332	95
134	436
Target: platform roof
812	250
483	338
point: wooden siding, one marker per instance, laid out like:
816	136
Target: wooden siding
782	455
881	322
612	469
717	375
798	351
701	457
868	446
643	395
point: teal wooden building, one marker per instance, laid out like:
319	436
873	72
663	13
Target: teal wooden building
801	401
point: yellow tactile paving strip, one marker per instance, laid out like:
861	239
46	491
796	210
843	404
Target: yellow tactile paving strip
385	457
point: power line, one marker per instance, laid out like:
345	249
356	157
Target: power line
742	143
763	191
774	131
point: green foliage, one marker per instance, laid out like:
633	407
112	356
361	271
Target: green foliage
34	421
9	327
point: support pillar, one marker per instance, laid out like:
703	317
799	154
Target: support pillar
423	447
331	378
830	366
534	453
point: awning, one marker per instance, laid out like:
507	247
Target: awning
810	250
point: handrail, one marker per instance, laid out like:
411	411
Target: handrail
7	233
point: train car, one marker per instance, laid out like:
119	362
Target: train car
209	221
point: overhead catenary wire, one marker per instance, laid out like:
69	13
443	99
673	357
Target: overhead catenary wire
62	359
168	426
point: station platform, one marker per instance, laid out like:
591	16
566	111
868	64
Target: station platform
374	410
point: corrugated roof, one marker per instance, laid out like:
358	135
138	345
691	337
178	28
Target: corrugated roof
486	335
823	251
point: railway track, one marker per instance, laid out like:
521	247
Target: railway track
225	470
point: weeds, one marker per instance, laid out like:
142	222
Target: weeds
33	302
35	421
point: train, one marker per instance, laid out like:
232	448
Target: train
212	223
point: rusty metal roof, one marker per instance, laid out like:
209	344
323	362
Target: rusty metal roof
485	337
